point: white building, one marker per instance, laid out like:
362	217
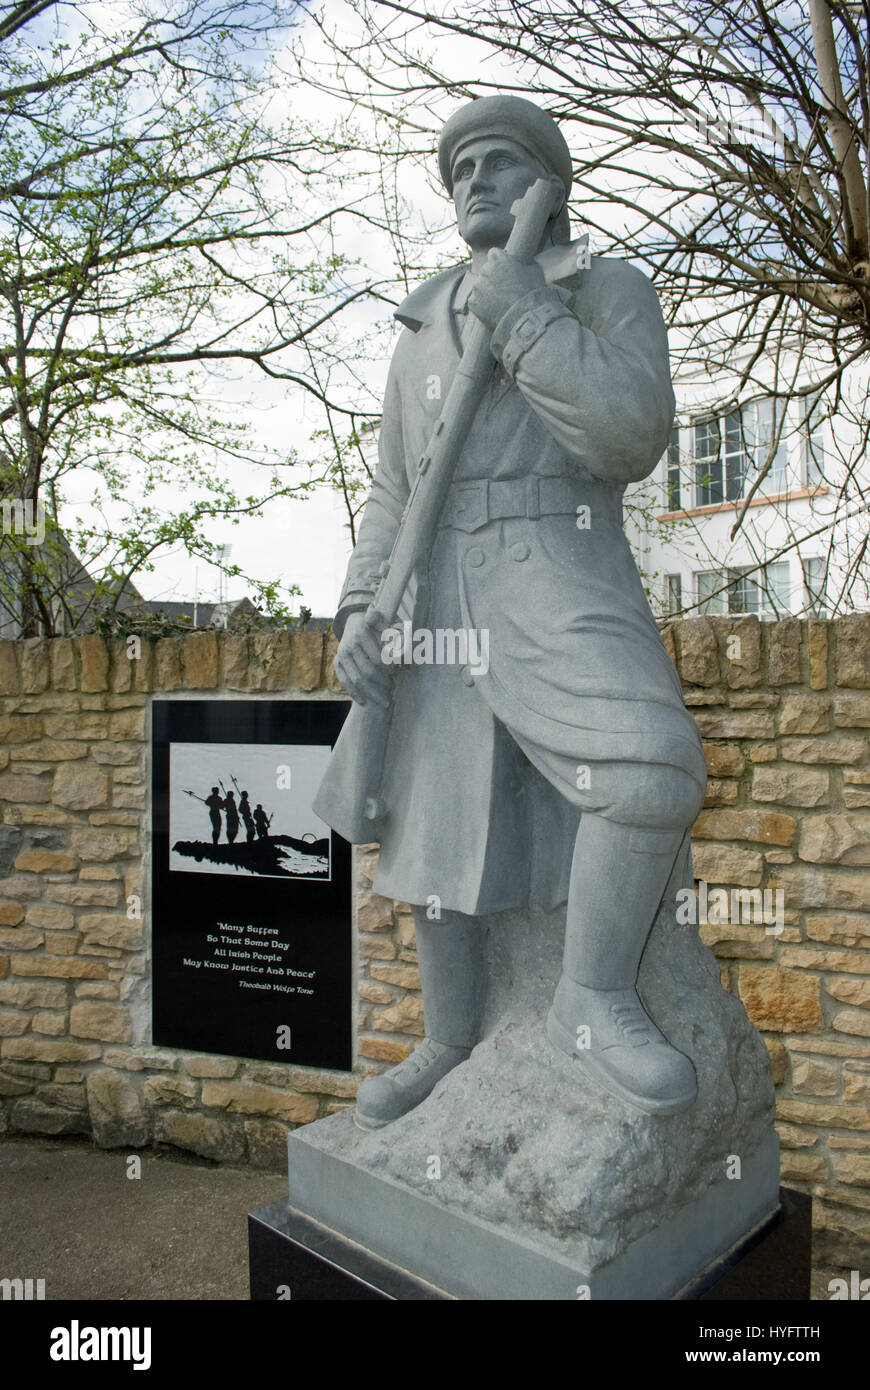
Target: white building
802	547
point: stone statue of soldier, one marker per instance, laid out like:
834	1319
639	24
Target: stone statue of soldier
566	768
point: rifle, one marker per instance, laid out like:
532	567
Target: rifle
368	726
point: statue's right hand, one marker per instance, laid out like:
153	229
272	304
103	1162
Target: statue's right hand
359	663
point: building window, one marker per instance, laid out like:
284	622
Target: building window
708	463
672	493
729	450
816	582
674	592
813	450
744	590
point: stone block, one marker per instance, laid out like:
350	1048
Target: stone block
103	845
111	929
740	655
86	894
59	967
127	724
812	1076
200	1134
778	1059
79	787
725	864
780	1001
856	1021
170	1090
32	1049
270	658
34	665
250	1098
307	660
33	1115
784	651
852	711
121	657
796	1166
13	1022
199	660
40	861
267	1144
836	838
405	1016
698	652
817	644
805	714
376	948
724	759
33	994
791	786
141	1059
108	1022
117	1111
766	827
853	650
235	663
824	1115
318	1081
332	682
384	1050
837	748
168	672
21	787
850	991
374	913
405	976
94	662
840	930
745	723
9	684
212	1067
721	792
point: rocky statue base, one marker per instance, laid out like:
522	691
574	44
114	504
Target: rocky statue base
519	1178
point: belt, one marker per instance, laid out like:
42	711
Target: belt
475	501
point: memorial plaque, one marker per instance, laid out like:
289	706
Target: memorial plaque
251	891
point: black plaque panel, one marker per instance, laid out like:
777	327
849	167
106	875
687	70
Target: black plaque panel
251	903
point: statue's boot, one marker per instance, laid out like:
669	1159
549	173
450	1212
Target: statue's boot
618	878
451	955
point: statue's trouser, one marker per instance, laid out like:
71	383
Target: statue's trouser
618	876
452	976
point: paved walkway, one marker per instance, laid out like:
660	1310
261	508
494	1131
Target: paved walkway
70	1215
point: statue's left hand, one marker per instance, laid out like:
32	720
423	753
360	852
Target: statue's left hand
502	281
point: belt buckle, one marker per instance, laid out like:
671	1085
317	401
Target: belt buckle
469	509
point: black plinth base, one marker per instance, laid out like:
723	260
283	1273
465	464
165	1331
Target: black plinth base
294	1257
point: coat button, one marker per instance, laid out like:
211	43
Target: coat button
520	551
475	557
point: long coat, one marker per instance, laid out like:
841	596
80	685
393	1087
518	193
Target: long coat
479	781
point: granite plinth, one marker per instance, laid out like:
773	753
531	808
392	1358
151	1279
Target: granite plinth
519	1172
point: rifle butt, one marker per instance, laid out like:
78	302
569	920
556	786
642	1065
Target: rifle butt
349	798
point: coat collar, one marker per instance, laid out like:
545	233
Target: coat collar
560	264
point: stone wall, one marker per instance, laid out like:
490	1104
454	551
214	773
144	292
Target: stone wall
784	710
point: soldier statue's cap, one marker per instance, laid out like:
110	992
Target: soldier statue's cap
511	118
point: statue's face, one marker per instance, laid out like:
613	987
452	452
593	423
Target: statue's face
488	177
